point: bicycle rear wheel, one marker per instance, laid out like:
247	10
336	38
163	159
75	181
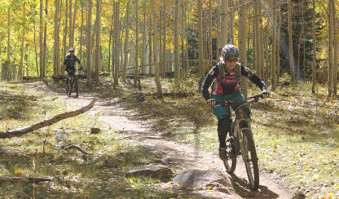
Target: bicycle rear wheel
231	162
250	158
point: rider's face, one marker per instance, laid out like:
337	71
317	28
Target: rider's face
230	64
71	52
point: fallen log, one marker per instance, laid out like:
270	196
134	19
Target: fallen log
38	125
25	179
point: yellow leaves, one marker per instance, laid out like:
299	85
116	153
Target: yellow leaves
18	171
331	196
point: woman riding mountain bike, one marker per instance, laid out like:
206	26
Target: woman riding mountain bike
225	77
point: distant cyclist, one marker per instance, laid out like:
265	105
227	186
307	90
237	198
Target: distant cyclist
70	63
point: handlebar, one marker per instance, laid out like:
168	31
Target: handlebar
251	99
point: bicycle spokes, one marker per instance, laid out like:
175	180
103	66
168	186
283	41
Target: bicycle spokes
249	155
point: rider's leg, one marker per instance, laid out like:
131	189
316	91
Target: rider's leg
243	111
224	126
75	80
223	115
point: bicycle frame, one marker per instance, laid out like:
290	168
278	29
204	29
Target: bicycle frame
241	138
72	83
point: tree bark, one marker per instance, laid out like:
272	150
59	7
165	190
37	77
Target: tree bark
45	42
137	78
65	30
21	131
274	48
335	50
278	45
290	41
82	29
176	43
164	57
97	64
155	54
56	57
22	44
89	43
116	43
9	72
35	49
200	44
124	70
223	35
243	41
73	23
71	37
25	179
210	56
41	38
314	36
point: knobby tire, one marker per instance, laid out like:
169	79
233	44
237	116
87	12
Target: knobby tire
250	159
231	162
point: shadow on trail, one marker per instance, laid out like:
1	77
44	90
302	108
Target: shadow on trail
241	188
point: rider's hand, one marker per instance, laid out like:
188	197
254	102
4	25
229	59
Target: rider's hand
211	102
81	68
264	93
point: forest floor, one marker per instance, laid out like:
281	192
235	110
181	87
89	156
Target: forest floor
179	132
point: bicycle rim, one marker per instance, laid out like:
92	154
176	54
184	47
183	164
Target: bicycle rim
231	162
251	160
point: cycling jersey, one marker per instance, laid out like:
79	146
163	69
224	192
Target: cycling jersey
70	61
230	82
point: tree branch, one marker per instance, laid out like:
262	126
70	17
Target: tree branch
72	146
55	119
25	179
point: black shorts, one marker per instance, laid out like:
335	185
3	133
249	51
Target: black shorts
71	72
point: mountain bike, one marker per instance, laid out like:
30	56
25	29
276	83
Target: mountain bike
72	82
239	141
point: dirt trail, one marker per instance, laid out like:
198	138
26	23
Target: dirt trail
204	166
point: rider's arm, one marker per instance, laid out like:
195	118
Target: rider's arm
246	72
212	74
78	60
65	61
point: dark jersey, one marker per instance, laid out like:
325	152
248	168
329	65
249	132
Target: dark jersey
229	84
70	61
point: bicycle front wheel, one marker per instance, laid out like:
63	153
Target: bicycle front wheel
250	158
231	162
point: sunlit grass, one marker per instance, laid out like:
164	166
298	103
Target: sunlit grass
39	153
296	134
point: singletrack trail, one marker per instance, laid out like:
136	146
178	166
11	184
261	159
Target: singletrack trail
203	166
